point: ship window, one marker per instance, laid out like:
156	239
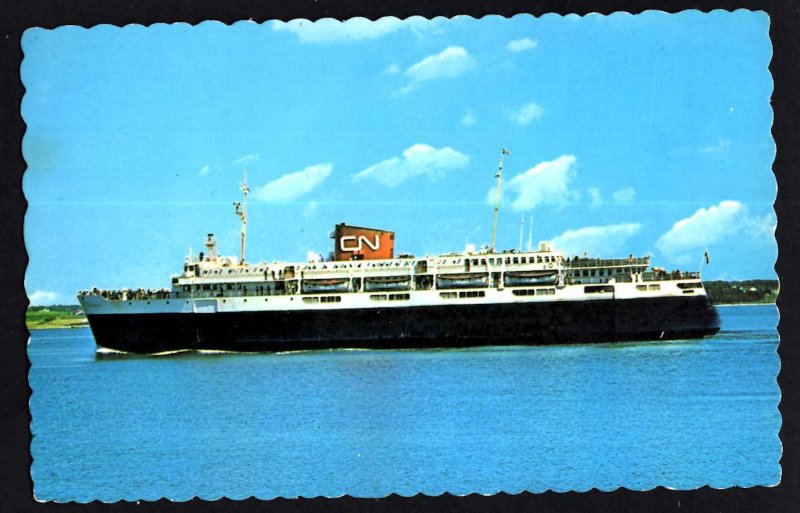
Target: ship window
472	293
378	297
545	292
516	260
311	299
655	286
585	273
538	259
523	292
692	285
483	261
598	289
641	287
206	287
593	272
396	297
508	260
447	295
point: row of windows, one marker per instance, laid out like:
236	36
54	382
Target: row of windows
463	294
221	286
654	286
499	261
235	270
322	299
389	297
405	263
600	272
532	292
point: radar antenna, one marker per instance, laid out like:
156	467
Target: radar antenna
499	177
241	211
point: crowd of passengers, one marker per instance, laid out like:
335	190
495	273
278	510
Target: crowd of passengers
130	294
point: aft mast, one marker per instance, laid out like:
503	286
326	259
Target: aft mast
499	177
241	211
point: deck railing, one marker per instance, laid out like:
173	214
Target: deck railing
580	263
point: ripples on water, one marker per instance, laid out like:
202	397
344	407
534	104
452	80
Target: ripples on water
368	423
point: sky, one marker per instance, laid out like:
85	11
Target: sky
644	134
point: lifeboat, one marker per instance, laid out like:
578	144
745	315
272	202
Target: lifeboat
380	283
315	286
525	278
462	280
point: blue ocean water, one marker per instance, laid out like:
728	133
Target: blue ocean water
368	423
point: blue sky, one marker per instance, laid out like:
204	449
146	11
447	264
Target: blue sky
646	134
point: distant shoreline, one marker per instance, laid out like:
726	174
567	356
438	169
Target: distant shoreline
47	326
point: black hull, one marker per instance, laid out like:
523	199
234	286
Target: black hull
534	323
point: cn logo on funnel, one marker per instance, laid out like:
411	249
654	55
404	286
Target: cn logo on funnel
352	243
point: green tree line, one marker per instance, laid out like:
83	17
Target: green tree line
746	291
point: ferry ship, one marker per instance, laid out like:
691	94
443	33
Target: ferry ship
362	296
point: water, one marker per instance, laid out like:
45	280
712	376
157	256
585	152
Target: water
368	423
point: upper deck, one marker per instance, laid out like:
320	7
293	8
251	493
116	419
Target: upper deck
223	277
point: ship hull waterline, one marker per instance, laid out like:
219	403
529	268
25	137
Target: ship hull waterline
414	327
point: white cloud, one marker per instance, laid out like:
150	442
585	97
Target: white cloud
43	297
392	69
594	195
527	113
293	185
311	209
451	62
597	240
519	45
205	170
546	182
761	227
709	225
419	159
469	119
247	158
625	195
721	146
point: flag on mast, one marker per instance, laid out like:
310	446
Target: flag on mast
706	256
506	152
